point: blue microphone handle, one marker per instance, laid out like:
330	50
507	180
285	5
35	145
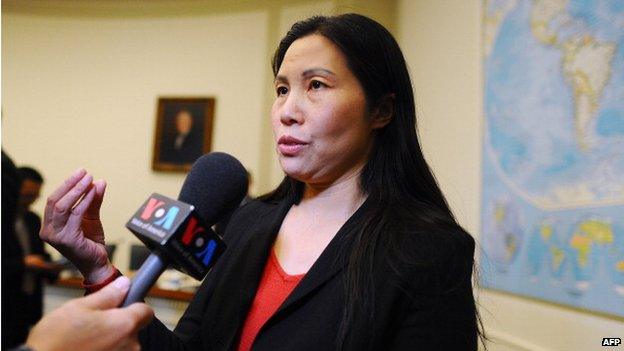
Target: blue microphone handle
145	278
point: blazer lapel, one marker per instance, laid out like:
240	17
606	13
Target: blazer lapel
331	262
236	293
255	254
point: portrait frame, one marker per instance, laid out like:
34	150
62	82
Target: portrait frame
183	132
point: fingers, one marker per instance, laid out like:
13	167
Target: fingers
61	191
129	320
93	211
110	296
79	210
65	204
141	313
131	344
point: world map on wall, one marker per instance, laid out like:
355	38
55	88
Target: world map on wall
553	155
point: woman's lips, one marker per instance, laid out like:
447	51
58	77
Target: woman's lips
290	146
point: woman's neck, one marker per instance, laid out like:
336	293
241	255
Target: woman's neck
340	198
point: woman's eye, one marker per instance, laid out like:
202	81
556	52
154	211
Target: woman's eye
316	85
281	91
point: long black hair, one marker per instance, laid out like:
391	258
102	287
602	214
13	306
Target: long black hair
396	178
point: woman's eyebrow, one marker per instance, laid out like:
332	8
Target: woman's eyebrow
307	73
318	71
280	79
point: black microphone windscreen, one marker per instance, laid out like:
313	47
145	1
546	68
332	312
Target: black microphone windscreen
216	185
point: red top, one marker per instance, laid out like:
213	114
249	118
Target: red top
274	288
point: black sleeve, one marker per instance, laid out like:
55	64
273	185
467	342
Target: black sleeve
156	336
186	335
442	313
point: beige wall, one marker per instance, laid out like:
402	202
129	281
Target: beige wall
81	92
80	85
81	80
442	43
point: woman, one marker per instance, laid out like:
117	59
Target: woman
356	249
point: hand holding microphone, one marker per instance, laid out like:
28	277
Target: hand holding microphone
177	232
92	323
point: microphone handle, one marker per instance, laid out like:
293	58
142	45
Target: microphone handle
145	278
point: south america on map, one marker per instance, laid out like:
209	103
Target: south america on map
553	153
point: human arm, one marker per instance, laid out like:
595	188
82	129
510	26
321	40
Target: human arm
38	263
39	260
72	225
93	323
442	312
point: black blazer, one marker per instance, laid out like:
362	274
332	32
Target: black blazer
433	310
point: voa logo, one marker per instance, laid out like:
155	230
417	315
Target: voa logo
195	239
156	212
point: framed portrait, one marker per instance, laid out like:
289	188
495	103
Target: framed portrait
183	132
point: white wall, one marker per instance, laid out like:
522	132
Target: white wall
442	43
82	92
81	80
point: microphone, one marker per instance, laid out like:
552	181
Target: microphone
178	231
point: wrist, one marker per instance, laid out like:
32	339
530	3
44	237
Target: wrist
91	288
98	275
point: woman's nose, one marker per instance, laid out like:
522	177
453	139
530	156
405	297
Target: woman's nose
291	112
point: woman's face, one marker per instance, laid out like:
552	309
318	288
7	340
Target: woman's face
319	118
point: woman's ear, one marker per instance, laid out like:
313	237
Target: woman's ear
384	112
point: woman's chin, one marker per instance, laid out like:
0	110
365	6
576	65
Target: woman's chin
293	169
295	175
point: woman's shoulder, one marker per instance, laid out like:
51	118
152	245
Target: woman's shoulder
432	257
444	241
435	238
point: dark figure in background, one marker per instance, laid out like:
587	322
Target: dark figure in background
14	324
185	145
37	261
